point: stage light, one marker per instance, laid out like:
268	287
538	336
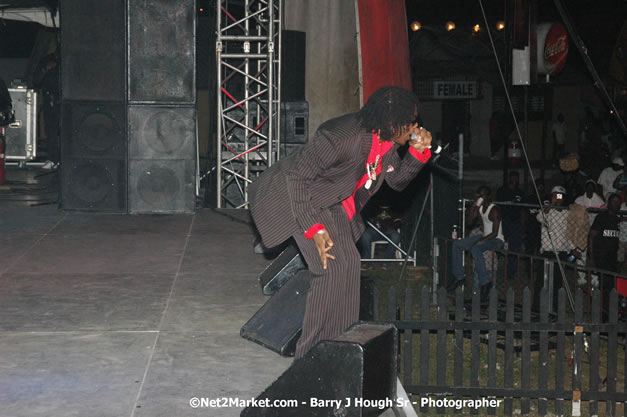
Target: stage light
476	28
450	25
500	25
415	26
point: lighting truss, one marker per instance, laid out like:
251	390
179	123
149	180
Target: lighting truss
248	61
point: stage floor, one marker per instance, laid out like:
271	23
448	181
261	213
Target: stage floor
116	315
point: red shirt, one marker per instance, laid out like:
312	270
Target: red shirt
377	148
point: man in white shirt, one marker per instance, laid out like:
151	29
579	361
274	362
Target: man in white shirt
491	239
590	199
609	174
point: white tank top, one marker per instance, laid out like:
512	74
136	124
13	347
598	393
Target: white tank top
487	223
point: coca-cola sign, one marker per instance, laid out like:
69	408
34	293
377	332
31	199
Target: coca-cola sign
555	49
552	48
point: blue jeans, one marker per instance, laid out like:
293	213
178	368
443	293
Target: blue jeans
477	249
370	235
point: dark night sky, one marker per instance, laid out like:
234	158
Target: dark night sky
598	23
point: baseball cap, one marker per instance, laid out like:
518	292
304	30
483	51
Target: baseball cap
618	161
558	189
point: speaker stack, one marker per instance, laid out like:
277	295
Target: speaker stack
129	94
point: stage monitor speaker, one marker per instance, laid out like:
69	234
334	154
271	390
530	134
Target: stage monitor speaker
92	184
283	267
162	51
293	64
93	55
161	186
160	132
278	323
357	371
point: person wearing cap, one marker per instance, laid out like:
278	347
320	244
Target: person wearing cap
609	174
590	199
554	241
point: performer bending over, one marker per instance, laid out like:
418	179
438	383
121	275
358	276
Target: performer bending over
316	194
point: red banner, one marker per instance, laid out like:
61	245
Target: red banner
384	45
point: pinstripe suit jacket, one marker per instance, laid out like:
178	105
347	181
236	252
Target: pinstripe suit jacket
292	195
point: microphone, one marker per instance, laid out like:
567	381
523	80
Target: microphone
436	151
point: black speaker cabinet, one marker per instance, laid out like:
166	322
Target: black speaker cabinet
93	55
94	130
161	50
162	159
293	65
161	186
294	122
93	156
278	323
161	39
94	184
283	267
353	375
160	132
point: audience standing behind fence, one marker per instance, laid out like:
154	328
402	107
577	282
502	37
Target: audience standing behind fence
589	233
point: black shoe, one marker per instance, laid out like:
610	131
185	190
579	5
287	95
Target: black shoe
485	292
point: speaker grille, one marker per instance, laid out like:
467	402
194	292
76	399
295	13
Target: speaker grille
94	130
162	51
161	186
94	185
162	132
93	53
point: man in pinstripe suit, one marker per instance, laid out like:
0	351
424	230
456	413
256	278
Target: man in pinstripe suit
316	194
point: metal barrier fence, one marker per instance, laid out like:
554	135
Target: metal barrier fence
532	271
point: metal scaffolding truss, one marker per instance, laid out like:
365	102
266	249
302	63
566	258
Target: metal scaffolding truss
248	60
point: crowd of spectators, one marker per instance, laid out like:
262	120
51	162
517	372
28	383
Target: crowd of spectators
582	221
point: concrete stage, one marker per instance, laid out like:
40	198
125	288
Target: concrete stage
114	315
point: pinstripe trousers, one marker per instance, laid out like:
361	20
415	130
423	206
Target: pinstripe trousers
333	297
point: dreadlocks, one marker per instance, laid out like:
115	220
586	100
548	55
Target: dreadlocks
390	110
